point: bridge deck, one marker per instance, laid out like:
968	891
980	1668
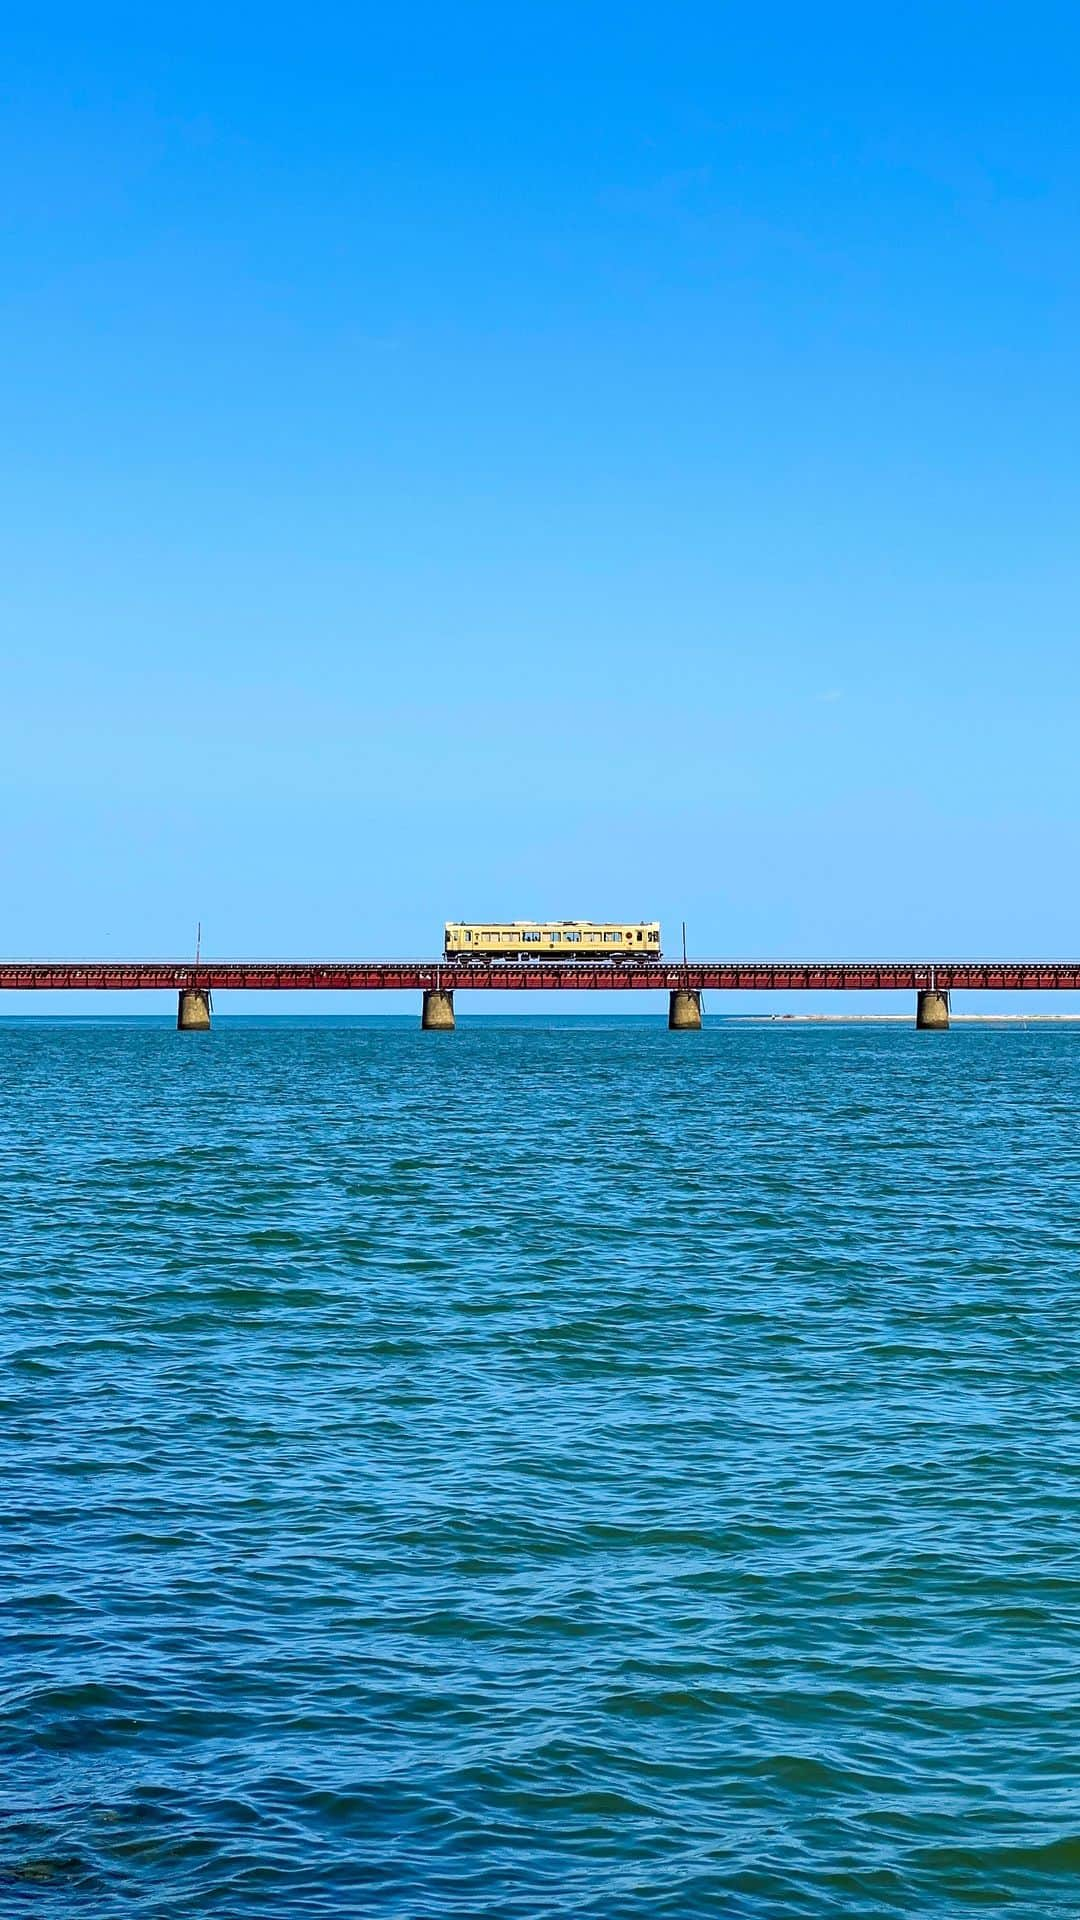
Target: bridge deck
373	975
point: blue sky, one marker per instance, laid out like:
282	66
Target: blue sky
551	460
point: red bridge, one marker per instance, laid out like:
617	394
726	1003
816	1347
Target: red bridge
438	981
368	976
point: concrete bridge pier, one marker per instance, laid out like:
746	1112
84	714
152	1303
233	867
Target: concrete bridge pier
684	1010
193	1010
437	1015
932	1010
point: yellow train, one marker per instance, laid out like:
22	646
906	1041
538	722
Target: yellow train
552	940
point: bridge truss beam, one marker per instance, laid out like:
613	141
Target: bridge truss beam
367	976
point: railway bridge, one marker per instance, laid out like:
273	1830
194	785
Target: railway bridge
438	981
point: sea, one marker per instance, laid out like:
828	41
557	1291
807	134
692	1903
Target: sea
554	1469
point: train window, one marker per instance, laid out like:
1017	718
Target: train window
612	939
639	938
574	936
530	936
555	934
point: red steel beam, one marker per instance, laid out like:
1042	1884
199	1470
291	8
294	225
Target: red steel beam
715	975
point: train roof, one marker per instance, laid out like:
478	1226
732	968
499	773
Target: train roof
625	922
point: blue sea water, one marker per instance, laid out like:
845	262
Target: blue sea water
544	1470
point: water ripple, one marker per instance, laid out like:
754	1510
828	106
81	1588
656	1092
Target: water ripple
547	1472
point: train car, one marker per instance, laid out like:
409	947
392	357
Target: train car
552	940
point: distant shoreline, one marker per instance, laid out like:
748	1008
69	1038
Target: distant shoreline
897	1019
